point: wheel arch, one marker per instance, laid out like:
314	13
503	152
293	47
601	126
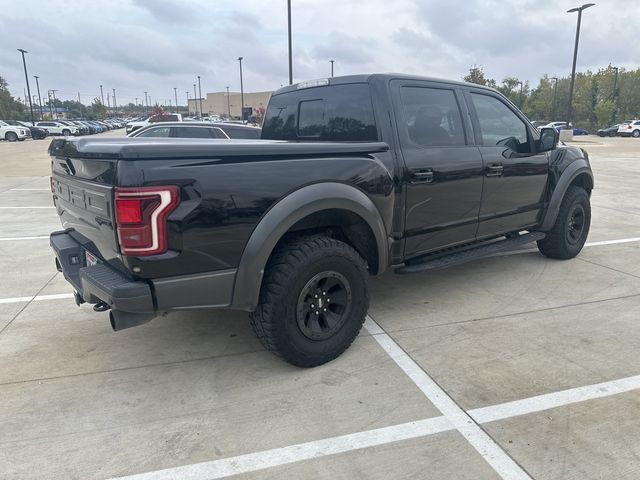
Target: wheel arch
313	206
577	173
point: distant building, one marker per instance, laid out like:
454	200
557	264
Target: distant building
216	103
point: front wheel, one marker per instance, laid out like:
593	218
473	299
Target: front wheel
66	133
11	137
313	300
635	134
568	235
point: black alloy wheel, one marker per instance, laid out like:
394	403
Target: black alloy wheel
323	305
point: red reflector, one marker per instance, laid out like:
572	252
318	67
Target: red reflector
141	218
128	211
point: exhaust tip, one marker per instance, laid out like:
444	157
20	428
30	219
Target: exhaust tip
121	320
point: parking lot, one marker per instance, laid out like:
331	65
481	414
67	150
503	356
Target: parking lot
511	367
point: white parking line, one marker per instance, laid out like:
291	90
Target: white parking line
493	454
24	208
37	298
612	242
555	399
295	453
9	239
381	436
30	190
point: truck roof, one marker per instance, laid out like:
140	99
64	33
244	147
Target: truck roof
371	77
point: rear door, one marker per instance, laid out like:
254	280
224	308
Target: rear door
515	177
443	167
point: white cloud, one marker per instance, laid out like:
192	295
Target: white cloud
138	45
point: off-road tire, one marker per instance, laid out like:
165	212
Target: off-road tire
288	277
564	240
10	137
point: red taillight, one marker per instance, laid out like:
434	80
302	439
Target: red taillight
141	217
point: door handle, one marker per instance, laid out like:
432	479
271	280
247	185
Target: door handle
494	170
422	176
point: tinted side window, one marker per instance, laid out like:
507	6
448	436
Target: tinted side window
498	123
330	113
191	132
432	116
246	133
156	132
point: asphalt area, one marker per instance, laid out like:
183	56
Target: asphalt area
511	367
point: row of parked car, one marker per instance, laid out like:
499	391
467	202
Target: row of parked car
16	130
630	128
557	126
174	125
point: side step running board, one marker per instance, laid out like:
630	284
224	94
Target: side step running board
458	258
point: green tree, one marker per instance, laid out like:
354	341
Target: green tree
10	107
604	112
97	110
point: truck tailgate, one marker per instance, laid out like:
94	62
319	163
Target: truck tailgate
84	202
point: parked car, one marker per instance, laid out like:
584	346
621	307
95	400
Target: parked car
630	129
37	133
166	117
197	130
580	131
81	129
58	128
539	123
611	131
11	133
354	175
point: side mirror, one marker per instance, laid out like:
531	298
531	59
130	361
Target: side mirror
548	140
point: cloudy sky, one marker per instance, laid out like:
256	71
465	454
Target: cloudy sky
155	45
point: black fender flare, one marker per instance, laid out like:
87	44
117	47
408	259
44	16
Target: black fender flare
283	215
575	168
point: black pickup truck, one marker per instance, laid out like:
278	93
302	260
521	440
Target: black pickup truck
353	175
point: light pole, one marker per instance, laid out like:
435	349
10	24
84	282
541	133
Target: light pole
188	110
553	102
39	97
101	95
26	77
241	91
50	107
195	96
175	94
136	103
200	95
228	103
521	87
55	102
331	62
290	50
115	104
575	56
615	84
146	101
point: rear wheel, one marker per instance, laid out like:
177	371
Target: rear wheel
11	136
635	134
313	300
66	132
568	235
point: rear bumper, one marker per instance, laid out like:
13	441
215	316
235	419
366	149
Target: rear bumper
143	299
100	283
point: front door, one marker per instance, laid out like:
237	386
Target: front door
443	168
515	177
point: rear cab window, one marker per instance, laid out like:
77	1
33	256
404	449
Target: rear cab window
342	112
